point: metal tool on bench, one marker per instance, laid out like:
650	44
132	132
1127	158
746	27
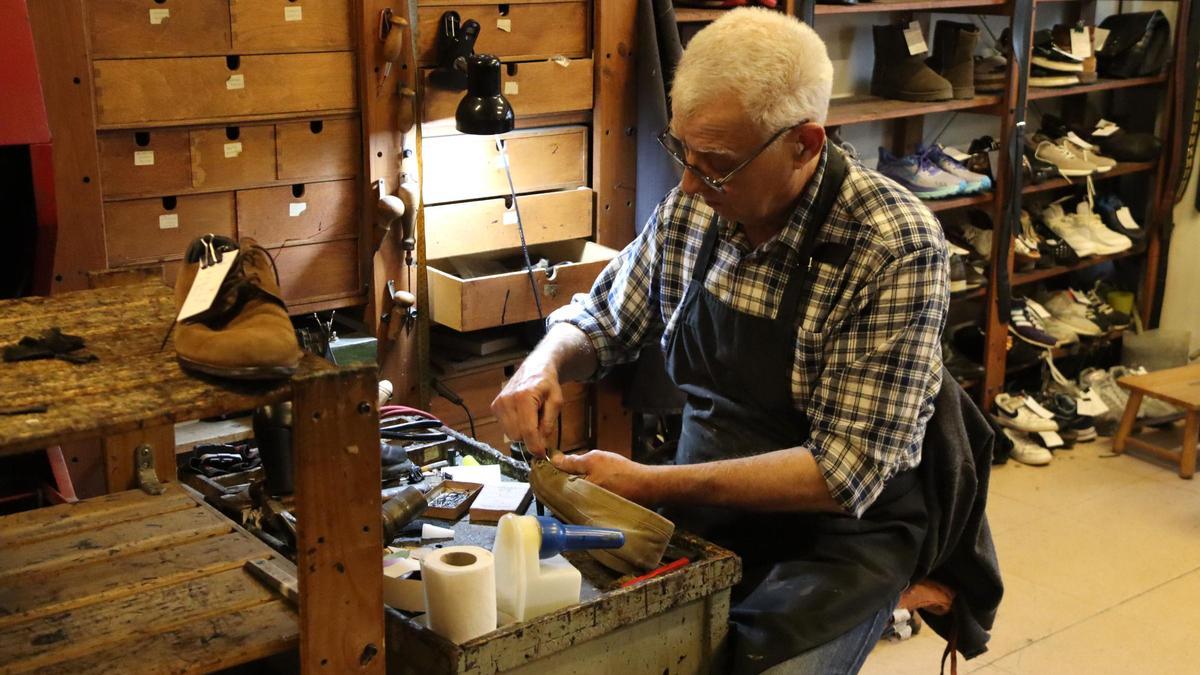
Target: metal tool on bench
400	510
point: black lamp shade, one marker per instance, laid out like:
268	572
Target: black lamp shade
484	111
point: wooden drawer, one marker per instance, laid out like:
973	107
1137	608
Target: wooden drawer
501	299
300	213
487	431
133	91
233	156
290	25
315	272
157	27
144	162
524	29
318	149
536	88
574	419
477	390
462	167
144	230
491	224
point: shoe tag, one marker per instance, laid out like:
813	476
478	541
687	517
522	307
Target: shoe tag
915	39
294	13
1103	132
1081	45
1009	404
1125	218
232	150
157	16
1090	405
955	153
204	289
1079	141
1099	37
1037	408
1051	439
504	25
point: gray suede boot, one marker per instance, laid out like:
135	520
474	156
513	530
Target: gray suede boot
953	55
900	75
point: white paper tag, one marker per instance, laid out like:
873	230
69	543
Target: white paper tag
1081	45
561	60
1037	408
1079	141
205	286
237	81
233	149
157	16
1125	218
293	13
1038	310
510	217
143	158
915	39
168	221
296	208
955	153
1099	37
1106	131
1090	404
504	25
1052	439
511	88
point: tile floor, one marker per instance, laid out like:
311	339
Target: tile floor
1101	561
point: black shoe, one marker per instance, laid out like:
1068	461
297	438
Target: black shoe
980	160
960	366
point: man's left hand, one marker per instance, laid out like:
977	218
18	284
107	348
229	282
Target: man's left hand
612	472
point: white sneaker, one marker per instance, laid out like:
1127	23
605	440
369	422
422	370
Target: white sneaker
1151	408
1012	413
1064	308
1065	226
980	239
1053	326
1026	451
1087	152
1062	155
1107	241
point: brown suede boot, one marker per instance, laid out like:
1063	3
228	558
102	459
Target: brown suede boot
954	55
903	76
247	334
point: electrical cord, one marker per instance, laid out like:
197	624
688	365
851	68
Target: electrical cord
512	189
449	394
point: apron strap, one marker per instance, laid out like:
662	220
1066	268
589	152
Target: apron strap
836	169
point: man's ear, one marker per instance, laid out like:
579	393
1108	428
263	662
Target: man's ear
808	140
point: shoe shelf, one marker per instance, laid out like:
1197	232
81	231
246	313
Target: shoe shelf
859	109
1034	276
937	205
1039	93
880	6
1121	169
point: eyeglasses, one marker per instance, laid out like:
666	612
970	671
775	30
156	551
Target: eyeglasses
678	152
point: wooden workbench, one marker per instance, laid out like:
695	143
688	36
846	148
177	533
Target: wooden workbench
131	397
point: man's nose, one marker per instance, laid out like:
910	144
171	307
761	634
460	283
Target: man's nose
692	185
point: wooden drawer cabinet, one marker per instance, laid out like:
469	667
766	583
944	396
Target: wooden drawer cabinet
144	162
535	88
466	304
232	156
318	149
131	92
290	25
461	167
491	224
300	213
147	230
316	272
514	31
477	390
125	28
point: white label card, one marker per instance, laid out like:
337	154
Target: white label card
293	13
237	81
561	60
1090	404
1099	37
143	158
297	208
955	153
504	25
1081	44
1079	141
1125	218
204	288
510	217
915	39
1052	439
1037	408
1108	130
511	88
168	221
233	149
157	16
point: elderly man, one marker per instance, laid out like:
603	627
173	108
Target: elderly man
799	298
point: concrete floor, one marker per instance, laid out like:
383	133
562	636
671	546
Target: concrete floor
1101	561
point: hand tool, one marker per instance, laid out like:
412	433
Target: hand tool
400	510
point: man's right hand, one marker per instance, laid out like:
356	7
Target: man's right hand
529	404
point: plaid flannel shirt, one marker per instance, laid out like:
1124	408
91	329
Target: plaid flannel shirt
867	364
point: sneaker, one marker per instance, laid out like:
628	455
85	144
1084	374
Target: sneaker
991	74
1065	309
1117	217
1090	153
1036	170
1107	241
1052	326
1102	383
1048	56
980	151
979	239
1116	320
1029	241
1066	227
1152	410
975	182
1011	412
958	274
1040	77
1060	153
1026	324
919	175
1026	451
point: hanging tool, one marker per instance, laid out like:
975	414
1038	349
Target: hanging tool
391	34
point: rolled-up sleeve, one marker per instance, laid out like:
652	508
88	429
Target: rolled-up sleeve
622	311
869	408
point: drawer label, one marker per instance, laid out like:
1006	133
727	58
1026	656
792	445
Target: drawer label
504	25
143	158
510	217
169	221
157	16
293	13
237	81
511	88
297	208
233	149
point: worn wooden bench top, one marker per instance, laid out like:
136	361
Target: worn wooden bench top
135	384
133	583
1179	386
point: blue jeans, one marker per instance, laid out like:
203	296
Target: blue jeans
844	654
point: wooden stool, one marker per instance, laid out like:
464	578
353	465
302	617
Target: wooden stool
1177	386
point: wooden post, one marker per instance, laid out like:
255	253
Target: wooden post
119	470
339	545
1128	419
614	122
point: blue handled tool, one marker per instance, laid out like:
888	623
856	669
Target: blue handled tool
558	537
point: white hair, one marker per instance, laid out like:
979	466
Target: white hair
774	65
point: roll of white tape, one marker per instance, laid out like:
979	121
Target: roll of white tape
460	592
